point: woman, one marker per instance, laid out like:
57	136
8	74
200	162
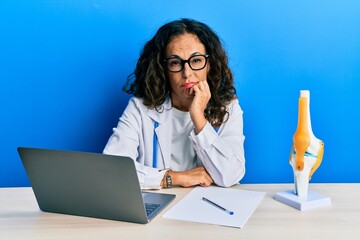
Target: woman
183	126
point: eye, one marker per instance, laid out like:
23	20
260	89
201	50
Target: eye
197	60
174	62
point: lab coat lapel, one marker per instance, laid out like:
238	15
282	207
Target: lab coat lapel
163	131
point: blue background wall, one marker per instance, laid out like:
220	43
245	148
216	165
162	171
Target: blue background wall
63	63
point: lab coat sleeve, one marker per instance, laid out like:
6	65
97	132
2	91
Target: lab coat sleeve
222	152
128	140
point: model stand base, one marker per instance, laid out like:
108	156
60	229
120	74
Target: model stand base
314	200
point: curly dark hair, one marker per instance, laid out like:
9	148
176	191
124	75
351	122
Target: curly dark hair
149	80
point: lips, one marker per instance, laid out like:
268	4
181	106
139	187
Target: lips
189	84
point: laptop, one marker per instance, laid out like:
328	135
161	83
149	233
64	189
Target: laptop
90	185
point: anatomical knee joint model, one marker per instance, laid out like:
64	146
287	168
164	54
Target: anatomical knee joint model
307	151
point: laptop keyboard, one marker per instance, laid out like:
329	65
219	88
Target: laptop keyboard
150	207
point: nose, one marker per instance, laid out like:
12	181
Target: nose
187	71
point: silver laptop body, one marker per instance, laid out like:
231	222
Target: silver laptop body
90	185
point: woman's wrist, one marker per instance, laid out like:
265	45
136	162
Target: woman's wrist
199	121
166	181
174	176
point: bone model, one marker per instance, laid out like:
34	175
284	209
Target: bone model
307	151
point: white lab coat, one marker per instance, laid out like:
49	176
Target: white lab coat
220	152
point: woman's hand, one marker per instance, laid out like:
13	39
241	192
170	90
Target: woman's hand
201	98
192	177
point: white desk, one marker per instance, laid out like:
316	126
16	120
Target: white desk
20	218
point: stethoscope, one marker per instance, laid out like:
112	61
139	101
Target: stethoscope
155	143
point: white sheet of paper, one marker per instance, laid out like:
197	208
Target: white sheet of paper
192	208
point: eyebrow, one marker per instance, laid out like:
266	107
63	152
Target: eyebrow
193	54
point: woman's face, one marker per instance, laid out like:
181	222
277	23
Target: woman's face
185	46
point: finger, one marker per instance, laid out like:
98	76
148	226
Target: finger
191	91
209	179
203	85
203	89
195	88
206	184
198	91
200	86
205	177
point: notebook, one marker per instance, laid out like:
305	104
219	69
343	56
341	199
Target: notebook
90	185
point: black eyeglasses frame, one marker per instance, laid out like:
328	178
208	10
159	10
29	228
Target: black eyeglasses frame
182	61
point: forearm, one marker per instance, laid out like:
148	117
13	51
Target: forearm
198	120
192	177
222	156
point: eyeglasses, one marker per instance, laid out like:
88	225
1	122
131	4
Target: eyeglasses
196	62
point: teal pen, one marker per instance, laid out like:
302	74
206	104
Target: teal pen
218	206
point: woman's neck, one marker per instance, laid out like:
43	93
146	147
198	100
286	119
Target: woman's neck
181	105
